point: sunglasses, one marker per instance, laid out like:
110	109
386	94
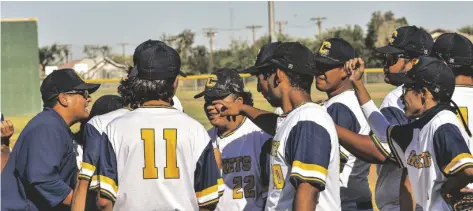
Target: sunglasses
392	59
85	94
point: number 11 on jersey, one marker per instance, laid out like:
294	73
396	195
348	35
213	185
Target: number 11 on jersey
150	171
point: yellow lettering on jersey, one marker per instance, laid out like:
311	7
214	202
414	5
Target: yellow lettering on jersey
150	171
274	148
236	164
171	171
423	160
237	181
464	112
278	177
248	190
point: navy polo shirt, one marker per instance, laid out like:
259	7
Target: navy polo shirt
42	168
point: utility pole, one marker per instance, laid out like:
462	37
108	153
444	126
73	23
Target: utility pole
280	24
123	44
253	30
210	33
231	21
318	21
272	35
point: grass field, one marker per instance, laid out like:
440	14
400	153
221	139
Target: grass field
194	107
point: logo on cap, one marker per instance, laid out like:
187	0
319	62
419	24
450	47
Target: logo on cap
211	81
393	37
415	61
325	48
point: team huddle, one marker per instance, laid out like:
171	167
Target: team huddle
141	151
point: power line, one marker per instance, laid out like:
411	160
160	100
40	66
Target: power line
253	30
318	21
210	33
123	44
280	25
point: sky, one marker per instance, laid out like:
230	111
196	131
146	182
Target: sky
110	23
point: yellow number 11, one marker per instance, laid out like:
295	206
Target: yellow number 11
150	171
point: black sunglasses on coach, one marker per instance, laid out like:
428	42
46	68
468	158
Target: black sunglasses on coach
391	59
85	94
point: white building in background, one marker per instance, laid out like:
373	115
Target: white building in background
97	68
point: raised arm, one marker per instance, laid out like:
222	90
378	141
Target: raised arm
263	119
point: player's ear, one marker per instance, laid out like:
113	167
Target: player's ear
280	76
239	100
62	99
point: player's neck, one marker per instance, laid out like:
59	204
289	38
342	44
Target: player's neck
293	99
344	86
464	80
156	103
234	123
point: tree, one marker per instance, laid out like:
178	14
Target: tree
126	60
93	51
50	55
380	29
198	61
466	29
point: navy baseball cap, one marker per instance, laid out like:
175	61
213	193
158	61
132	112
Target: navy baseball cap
454	49
154	60
222	83
105	104
409	40
64	80
334	51
432	73
294	57
263	57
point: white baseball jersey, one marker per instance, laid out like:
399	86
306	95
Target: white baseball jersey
92	135
245	161
463	97
177	103
279	111
158	158
431	151
305	149
346	112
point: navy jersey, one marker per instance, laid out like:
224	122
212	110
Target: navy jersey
158	158
346	112
42	169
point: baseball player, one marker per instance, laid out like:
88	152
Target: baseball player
405	46
157	157
42	169
343	107
243	146
105	109
305	152
433	145
457	51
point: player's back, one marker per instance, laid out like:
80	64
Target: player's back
156	150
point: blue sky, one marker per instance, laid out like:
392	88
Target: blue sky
80	23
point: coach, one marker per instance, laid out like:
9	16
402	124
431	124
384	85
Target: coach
42	169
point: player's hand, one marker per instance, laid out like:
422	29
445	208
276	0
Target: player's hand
7	129
355	68
229	108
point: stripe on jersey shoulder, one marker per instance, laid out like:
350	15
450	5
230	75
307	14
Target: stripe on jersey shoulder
108	186
307	171
86	171
459	163
382	148
210	194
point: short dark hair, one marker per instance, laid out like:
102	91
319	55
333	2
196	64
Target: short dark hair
143	90
247	97
300	81
49	103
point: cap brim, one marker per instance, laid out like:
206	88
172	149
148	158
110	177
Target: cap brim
389	50
91	88
211	93
182	74
256	68
327	61
406	80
